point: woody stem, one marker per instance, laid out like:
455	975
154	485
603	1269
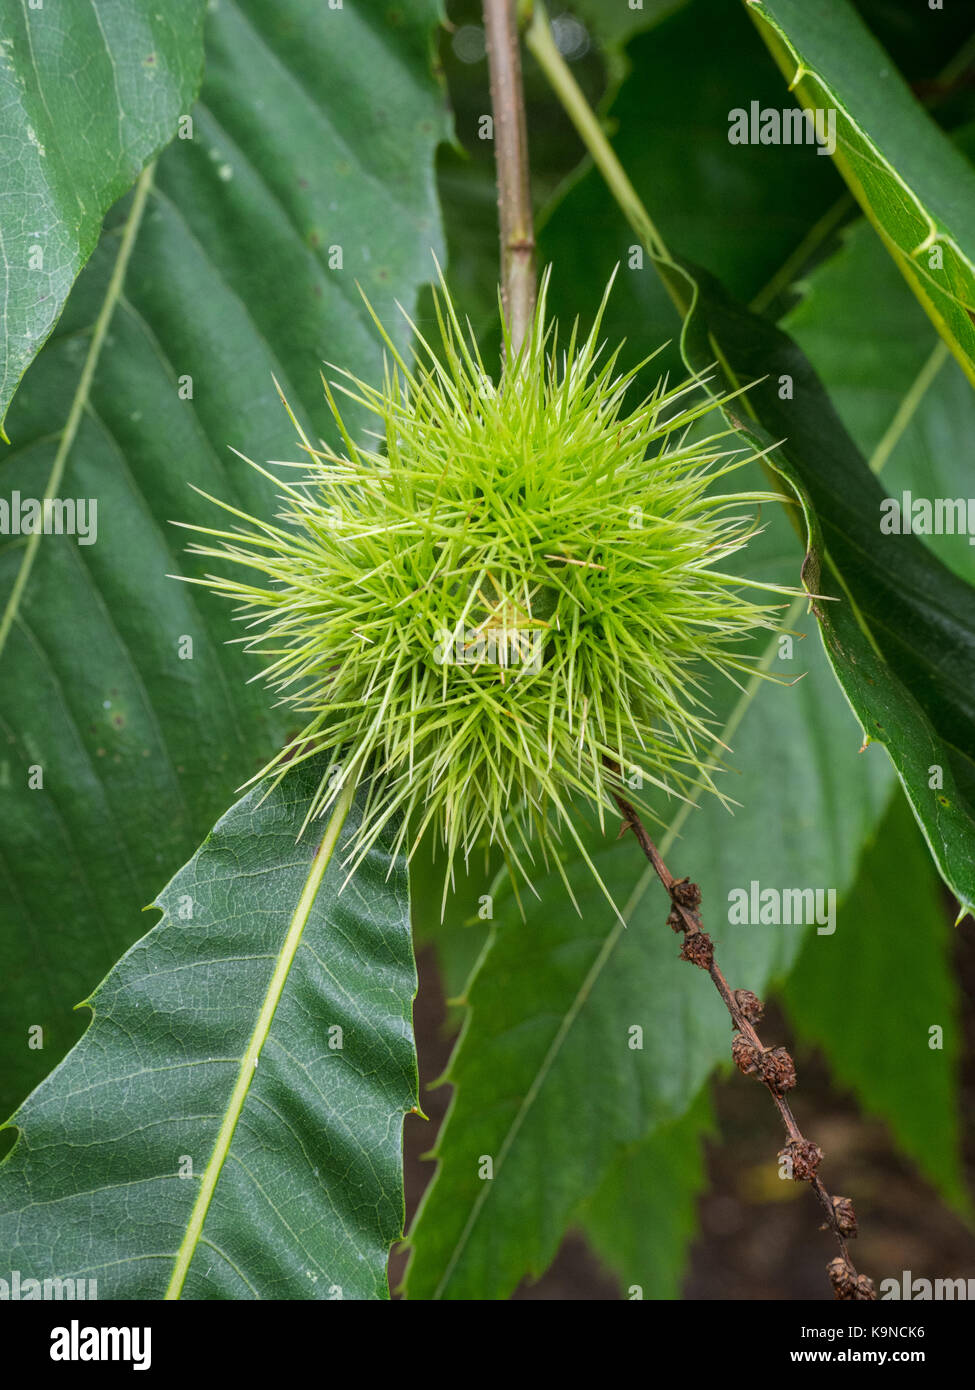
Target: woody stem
511	156
688	920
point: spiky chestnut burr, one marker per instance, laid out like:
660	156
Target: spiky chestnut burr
524	589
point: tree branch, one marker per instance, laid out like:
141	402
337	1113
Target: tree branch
511	154
773	1066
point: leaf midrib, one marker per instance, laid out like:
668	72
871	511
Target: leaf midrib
82	391
248	1061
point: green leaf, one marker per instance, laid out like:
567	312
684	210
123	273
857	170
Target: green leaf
141	740
546	1083
88	95
897	625
870	995
917	189
877	368
214	1043
644	1217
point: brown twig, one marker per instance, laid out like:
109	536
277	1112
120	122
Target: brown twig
773	1066
511	154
